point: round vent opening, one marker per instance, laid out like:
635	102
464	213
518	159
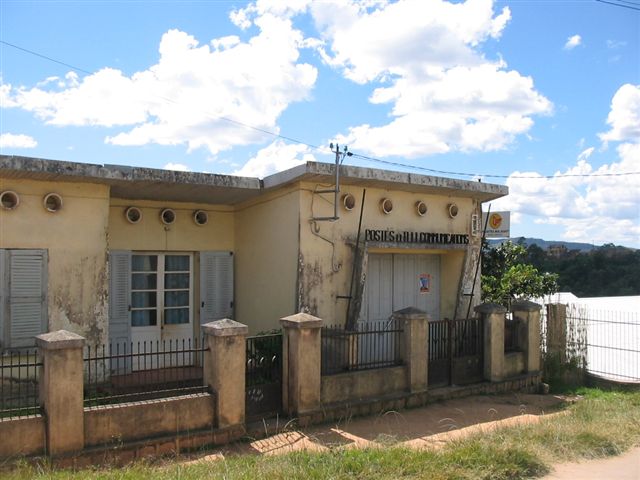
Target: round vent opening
349	201
421	208
386	205
168	216
200	217
52	202
452	208
133	214
9	200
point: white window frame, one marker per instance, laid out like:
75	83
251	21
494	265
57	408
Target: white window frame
160	287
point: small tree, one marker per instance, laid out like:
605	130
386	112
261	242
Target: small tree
506	276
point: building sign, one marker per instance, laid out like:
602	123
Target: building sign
416	237
498	225
425	283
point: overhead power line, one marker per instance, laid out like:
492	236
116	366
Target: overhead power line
321	149
620	3
489	175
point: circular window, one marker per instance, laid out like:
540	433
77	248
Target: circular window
349	201
9	200
421	208
200	217
386	205
453	210
52	202
168	216
133	214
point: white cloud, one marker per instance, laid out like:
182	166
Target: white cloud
181	99
179	167
573	42
615	44
10	140
624	116
274	158
597	209
426	62
585	154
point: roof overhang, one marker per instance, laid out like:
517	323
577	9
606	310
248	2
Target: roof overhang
153	184
135	182
388	180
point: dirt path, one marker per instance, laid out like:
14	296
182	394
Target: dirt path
426	427
431	427
624	467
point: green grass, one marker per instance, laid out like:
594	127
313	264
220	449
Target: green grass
600	425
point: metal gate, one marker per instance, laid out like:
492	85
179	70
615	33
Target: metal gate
456	352
263	387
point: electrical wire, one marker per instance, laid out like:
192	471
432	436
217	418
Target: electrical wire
463	174
350	154
636	7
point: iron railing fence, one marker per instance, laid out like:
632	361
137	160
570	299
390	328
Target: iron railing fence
19	382
264	359
263	376
512	341
370	345
606	343
128	372
544	316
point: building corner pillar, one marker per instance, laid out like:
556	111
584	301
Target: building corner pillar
528	314
61	390
224	369
493	316
415	346
301	364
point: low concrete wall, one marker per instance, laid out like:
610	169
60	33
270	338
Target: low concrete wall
514	364
365	384
132	421
22	436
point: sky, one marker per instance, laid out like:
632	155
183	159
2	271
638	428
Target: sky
543	96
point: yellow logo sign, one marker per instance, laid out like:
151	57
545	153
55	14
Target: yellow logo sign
495	220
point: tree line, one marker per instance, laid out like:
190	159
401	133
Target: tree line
513	270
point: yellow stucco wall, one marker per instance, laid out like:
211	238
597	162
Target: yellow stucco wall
75	238
325	269
150	234
184	235
267	259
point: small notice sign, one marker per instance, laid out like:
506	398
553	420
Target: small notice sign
498	225
425	283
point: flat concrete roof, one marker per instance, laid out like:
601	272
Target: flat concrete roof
386	179
153	184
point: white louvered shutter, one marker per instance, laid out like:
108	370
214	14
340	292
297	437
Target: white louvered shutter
119	297
216	286
27	296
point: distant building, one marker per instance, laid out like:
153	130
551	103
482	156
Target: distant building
557	250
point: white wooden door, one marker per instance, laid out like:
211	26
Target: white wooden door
416	283
396	281
161	308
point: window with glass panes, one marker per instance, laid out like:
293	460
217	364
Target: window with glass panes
160	289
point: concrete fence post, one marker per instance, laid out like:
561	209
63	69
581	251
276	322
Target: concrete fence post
493	316
528	313
61	390
301	363
224	369
415	346
557	331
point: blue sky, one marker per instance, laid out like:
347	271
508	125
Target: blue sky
514	88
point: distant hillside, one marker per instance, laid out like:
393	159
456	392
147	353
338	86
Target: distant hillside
585	270
545	244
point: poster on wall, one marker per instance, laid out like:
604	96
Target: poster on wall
425	282
498	224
